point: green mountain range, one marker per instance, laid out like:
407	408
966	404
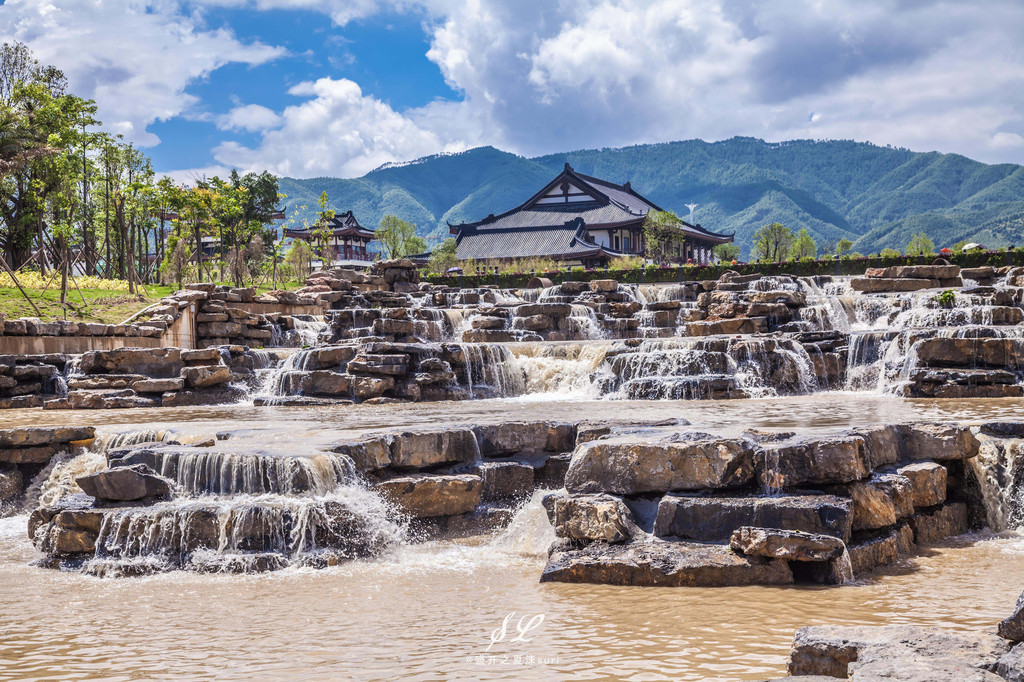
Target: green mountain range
875	196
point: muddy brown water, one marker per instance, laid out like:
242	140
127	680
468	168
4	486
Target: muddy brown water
431	611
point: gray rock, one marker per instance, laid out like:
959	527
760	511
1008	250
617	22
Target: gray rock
1012	627
792	545
505	480
630	467
900	652
206	376
928	482
837	459
881	551
663	564
45	435
136	482
937	524
158	385
425	495
371	454
939	442
151	362
715	518
591	518
418	449
1010	666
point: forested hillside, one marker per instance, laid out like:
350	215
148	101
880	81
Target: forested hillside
875	196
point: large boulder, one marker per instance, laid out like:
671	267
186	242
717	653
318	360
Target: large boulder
938	523
418	449
206	376
901	652
124	484
591	518
152	362
1012	627
927	481
631	467
714	519
881	551
505	480
939	442
424	495
793	545
663	564
835	459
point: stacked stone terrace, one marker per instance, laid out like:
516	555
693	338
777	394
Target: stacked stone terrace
385	336
637	504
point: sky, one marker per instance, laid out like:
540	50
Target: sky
310	88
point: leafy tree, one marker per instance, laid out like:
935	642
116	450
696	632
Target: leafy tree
920	245
176	259
890	253
299	260
727	252
843	247
773	242
959	246
663	236
398	237
803	246
443	257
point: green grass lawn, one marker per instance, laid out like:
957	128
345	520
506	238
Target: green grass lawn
100	305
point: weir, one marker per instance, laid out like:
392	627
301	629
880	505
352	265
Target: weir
545	434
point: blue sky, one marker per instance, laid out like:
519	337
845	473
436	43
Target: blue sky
385	54
338	87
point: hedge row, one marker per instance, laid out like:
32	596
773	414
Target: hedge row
689	273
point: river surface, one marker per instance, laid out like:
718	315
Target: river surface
431	611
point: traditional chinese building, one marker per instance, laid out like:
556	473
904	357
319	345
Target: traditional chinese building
348	240
578	220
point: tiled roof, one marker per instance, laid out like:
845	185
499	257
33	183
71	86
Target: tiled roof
612	205
567	239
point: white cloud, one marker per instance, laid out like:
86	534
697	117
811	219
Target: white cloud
338	130
250	117
134	57
537	76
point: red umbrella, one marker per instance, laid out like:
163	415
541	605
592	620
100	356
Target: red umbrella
946	251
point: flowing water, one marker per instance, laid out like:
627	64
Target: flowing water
436	610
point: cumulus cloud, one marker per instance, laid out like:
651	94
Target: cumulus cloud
250	118
134	57
337	130
536	76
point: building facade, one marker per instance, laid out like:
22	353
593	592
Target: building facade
348	242
576	219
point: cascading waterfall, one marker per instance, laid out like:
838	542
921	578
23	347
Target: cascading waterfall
490	371
308	329
199	471
247	533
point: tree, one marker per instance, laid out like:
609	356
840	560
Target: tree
959	246
663	236
443	257
920	245
803	246
398	237
727	252
299	259
773	242
175	260
844	247
889	253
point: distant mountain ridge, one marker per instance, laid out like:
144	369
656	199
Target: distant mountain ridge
875	196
